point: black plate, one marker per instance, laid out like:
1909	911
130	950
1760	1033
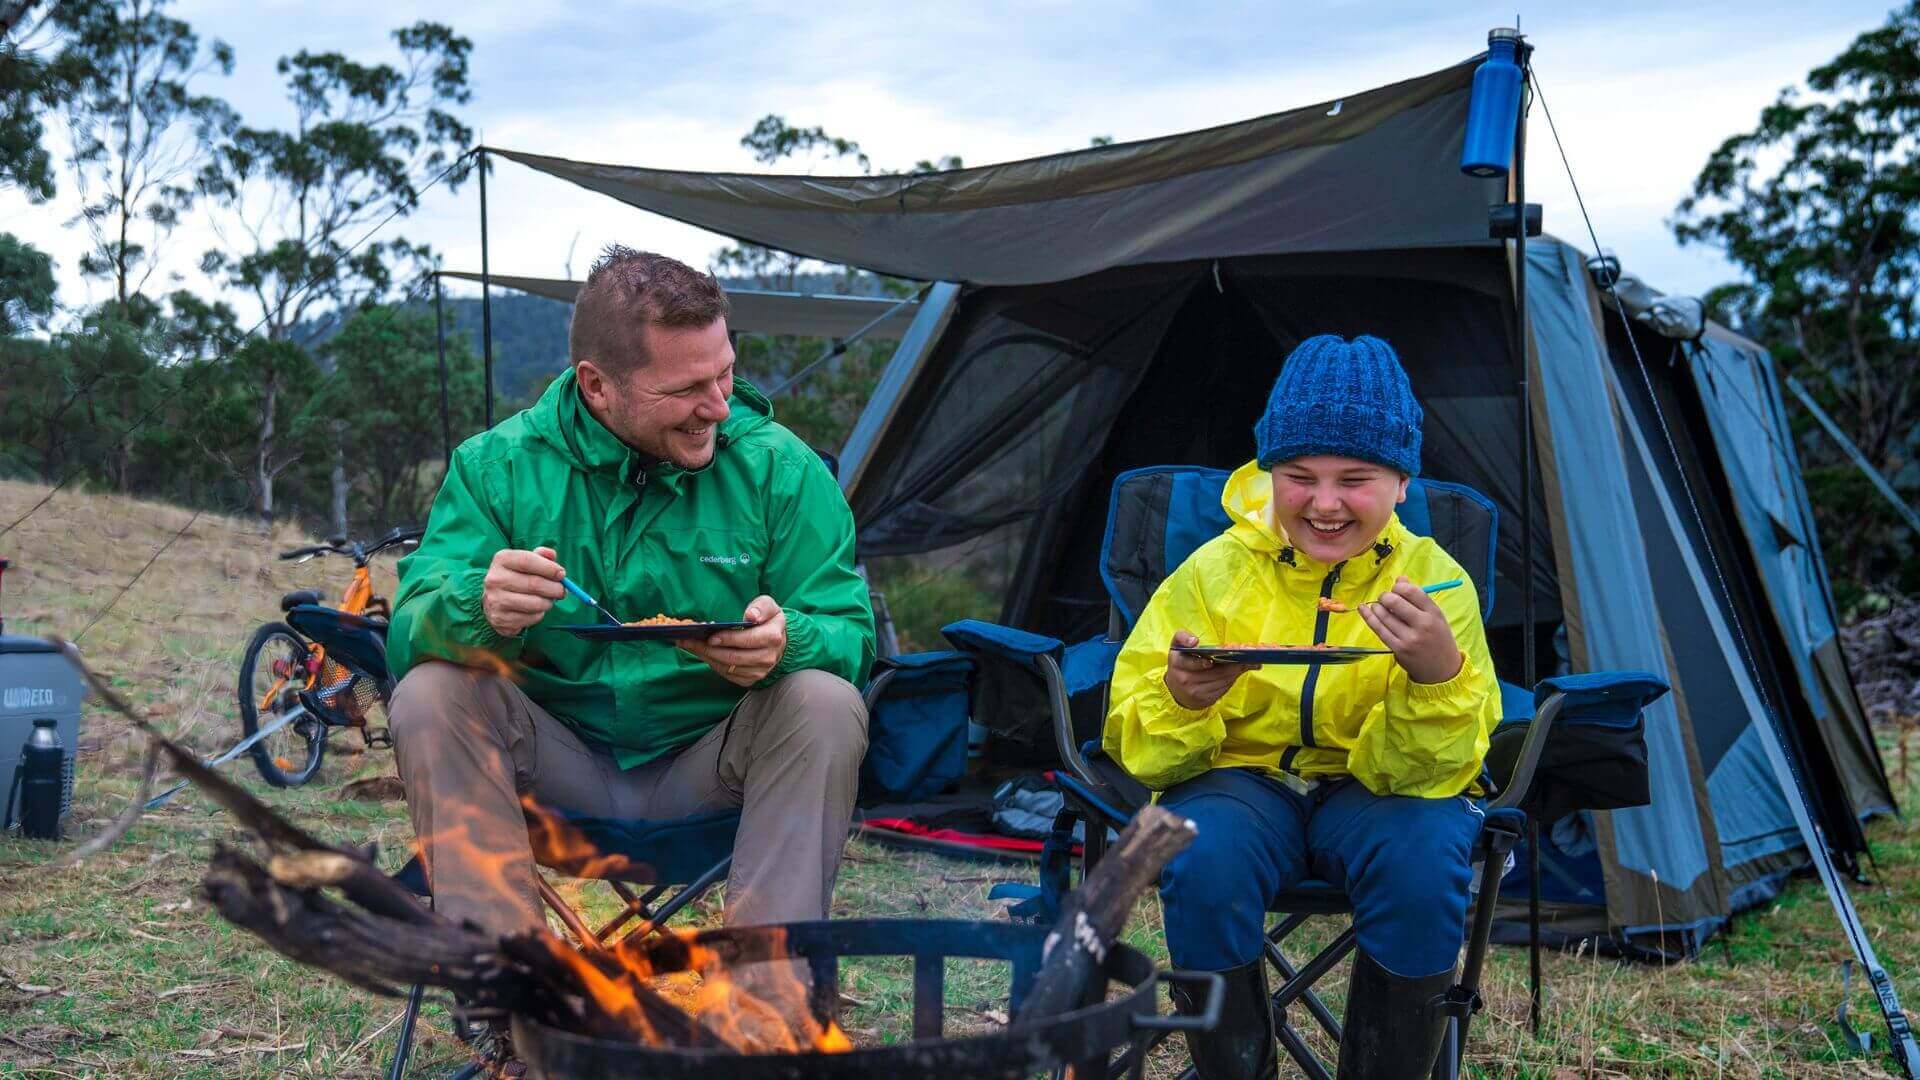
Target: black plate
680	632
1341	655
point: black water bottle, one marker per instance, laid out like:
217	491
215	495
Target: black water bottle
37	782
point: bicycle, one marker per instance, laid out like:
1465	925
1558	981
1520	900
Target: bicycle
320	670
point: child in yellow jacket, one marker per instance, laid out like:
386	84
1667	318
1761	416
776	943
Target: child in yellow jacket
1356	774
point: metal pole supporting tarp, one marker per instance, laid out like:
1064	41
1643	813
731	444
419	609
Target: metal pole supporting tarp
486	290
440	343
1859	459
841	345
1528	646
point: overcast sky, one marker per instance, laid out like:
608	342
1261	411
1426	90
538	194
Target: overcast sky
1641	93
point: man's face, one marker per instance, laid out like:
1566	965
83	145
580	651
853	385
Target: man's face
1332	508
671	406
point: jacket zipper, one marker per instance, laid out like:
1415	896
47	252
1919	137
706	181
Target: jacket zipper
1313	670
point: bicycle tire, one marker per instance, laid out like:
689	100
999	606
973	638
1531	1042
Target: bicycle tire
314	735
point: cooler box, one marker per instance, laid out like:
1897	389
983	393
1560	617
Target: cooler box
36	681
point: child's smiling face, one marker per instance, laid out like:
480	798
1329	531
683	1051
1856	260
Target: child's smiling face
1332	508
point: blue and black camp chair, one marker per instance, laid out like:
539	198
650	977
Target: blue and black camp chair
1569	730
665	865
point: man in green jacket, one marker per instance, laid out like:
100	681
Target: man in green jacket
657	480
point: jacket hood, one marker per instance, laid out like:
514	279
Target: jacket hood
560	419
1248	501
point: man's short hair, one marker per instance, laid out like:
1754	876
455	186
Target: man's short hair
626	290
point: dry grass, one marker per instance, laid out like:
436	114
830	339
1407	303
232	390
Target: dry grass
111	969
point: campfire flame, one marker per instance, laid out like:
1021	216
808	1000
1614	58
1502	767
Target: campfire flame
759	1008
754	1008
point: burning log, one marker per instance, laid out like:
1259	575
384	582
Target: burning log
1094	914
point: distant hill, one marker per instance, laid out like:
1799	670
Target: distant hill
530	332
529	338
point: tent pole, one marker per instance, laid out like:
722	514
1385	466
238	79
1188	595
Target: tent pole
1529	665
1853	454
440	343
486	290
842	345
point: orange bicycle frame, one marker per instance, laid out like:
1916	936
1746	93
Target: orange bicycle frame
358	596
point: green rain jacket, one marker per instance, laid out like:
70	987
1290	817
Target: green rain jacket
765	517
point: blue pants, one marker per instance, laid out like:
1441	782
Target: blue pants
1402	861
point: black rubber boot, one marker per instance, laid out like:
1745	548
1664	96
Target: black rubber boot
1393	1024
1242	1047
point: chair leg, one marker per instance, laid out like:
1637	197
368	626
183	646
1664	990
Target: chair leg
1311	998
694	890
1463	1000
1094	845
1301	1053
1447	1065
1316	969
1299	987
634	905
570	917
399	1067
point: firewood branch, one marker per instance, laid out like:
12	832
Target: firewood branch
1095	913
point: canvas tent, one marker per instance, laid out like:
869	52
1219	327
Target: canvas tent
1129	305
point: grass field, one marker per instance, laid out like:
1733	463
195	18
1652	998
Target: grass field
113	969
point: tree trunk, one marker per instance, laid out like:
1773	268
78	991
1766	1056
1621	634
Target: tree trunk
338	429
263	453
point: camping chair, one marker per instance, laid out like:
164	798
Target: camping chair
1157	517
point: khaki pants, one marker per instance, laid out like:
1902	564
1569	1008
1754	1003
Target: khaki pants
471	743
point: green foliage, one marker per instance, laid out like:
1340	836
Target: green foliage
170	396
363	135
26	285
138	131
922	598
773	140
822	408
385	381
1819	206
529	339
24	95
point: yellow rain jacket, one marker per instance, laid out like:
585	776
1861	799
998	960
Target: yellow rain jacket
1367	719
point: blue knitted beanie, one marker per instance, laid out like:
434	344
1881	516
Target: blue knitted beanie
1345	398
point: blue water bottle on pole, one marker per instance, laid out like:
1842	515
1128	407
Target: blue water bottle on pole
1494	110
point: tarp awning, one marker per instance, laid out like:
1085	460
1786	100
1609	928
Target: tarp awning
815	315
1378	169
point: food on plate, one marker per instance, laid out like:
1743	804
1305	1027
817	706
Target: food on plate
662	620
1258	645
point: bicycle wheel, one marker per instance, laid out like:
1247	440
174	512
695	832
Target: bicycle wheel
271	676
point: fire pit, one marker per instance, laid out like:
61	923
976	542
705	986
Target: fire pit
1086	1038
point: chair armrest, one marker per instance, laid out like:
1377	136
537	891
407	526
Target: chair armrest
1610	698
1037	653
1004	642
1604	697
